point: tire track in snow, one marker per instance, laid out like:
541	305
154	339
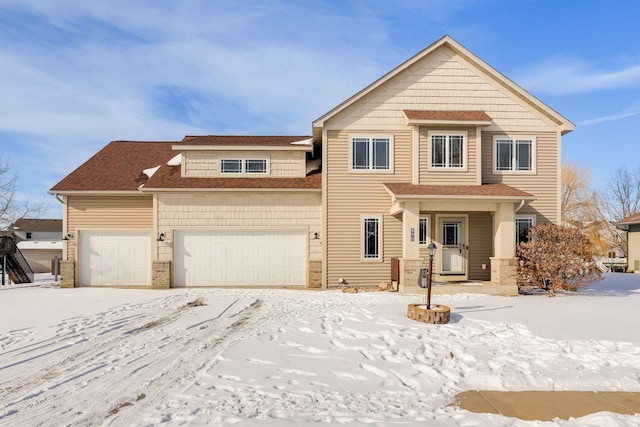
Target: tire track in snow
71	350
91	370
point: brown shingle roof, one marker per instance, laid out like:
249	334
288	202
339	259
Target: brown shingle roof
485	190
36	224
168	177
447	115
119	166
632	219
280	141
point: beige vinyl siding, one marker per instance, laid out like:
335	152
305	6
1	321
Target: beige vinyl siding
543	184
281	164
480	245
442	81
106	212
436	176
633	257
241	210
353	194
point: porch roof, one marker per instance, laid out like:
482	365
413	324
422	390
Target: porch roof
405	190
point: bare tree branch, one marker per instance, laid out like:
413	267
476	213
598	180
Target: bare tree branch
12	209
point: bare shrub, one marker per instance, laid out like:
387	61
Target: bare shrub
560	258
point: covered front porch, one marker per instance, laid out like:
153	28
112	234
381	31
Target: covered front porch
473	228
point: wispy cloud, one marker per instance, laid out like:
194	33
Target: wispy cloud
566	75
609	118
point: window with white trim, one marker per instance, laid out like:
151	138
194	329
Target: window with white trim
255	166
371	153
513	154
239	166
231	166
423	231
448	150
371	238
523	224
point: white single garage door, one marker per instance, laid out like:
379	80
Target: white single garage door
115	258
240	258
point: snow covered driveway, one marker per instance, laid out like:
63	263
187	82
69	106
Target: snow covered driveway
82	370
278	357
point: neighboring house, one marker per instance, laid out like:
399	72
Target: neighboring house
631	225
39	241
443	148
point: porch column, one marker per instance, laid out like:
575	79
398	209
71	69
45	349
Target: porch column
503	263
505	231
411	230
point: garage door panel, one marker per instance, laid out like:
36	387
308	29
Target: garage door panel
240	257
115	257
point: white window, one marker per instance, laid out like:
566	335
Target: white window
371	238
523	224
239	166
371	153
514	154
423	231
255	166
448	150
231	166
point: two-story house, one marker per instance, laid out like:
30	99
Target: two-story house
442	149
39	241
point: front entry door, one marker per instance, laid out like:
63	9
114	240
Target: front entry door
453	256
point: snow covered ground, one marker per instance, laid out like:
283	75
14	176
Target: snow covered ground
254	357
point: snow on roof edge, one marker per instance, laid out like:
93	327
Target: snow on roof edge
149	172
175	160
308	141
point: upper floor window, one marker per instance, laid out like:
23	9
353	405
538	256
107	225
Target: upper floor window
231	166
513	155
249	166
255	166
371	153
448	150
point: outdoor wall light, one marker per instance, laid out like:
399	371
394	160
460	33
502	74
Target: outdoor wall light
160	237
68	236
316	235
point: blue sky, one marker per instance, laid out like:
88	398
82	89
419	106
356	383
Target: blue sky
77	74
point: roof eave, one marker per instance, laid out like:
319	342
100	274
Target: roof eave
93	192
487	198
291	147
190	189
482	123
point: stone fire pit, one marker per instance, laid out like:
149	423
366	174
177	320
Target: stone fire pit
437	314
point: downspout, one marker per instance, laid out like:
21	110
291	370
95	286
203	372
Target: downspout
521	205
57	196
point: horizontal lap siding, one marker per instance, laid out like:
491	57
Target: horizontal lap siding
248	210
107	212
349	195
543	185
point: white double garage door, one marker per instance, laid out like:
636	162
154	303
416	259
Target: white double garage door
201	258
